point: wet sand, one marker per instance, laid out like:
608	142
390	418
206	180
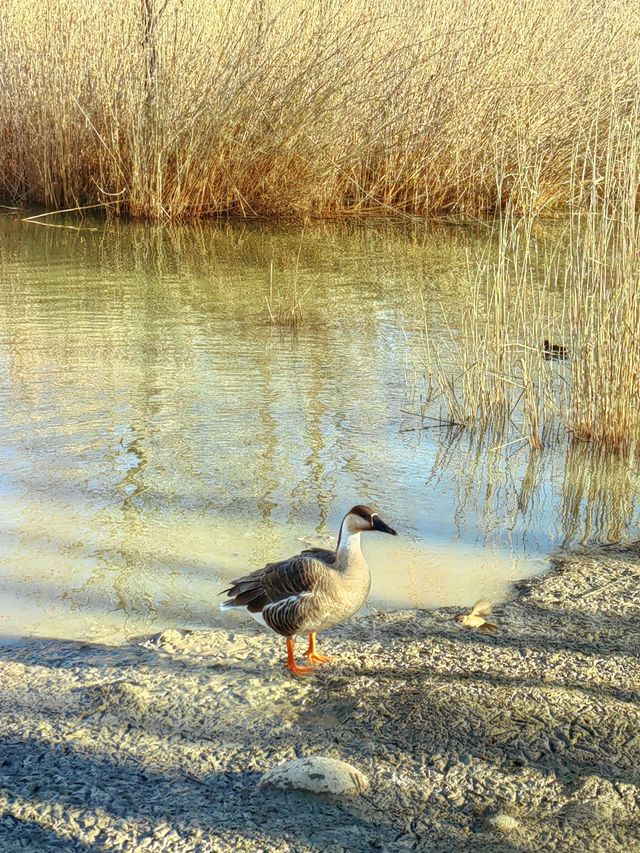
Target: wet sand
525	740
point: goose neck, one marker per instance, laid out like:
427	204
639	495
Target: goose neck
348	546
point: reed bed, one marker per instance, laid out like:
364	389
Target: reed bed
551	337
172	109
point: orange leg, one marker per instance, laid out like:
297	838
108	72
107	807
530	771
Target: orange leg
312	655
292	666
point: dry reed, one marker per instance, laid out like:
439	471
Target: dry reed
583	296
285	301
183	108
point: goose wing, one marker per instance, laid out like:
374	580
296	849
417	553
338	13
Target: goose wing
322	554
481	608
285	592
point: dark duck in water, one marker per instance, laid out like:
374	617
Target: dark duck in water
555	351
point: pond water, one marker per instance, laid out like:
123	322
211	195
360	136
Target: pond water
159	435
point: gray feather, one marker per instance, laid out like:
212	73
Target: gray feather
307	592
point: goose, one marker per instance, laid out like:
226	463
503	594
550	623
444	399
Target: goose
311	591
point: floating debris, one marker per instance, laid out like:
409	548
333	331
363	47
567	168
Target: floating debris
476	617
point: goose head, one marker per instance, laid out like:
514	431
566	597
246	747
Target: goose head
361	518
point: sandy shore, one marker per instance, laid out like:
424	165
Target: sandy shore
526	740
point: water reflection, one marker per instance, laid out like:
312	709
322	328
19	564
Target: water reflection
583	492
157	435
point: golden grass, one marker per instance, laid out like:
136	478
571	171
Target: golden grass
581	294
183	108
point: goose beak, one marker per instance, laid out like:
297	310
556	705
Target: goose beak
378	524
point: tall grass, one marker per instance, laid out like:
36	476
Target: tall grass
490	367
582	295
603	298
285	302
182	108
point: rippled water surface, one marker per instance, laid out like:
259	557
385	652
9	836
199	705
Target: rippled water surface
159	435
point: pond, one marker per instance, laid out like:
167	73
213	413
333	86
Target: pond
159	434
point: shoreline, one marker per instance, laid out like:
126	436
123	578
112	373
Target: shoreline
518	741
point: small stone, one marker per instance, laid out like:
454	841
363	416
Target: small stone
318	774
502	822
170	638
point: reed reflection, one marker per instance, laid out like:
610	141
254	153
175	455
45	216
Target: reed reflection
588	494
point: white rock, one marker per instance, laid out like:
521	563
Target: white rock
318	774
170	638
